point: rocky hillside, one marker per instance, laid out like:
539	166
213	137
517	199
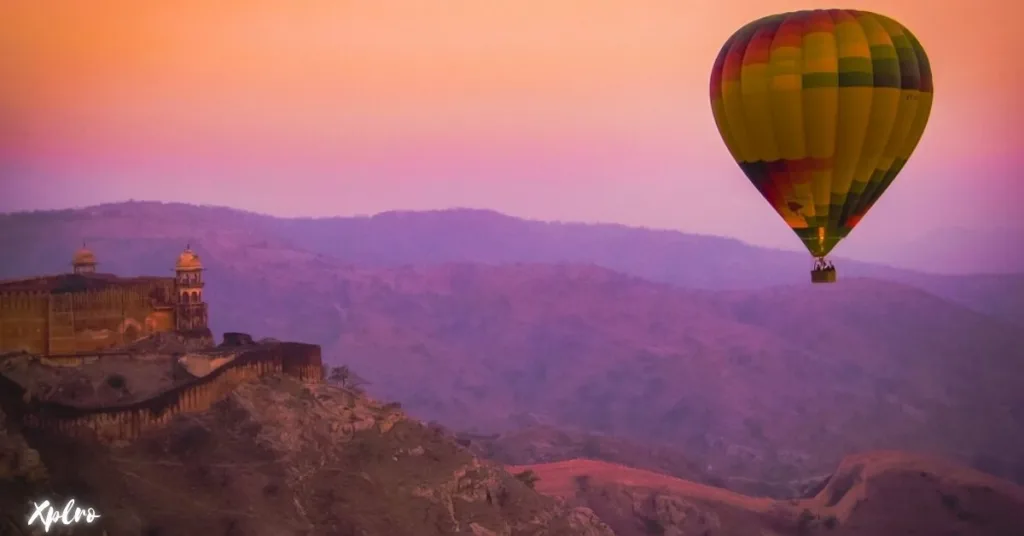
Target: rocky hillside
23	477
871	494
279	457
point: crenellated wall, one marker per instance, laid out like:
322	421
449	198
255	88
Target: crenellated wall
127	422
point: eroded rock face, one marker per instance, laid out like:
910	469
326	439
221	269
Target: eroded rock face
585	520
17	459
280	457
22	474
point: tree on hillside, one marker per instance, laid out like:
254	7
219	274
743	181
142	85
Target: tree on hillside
345	378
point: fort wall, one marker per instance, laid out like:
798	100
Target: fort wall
23	317
93	320
127	422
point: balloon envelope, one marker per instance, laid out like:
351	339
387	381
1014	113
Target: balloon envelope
822	109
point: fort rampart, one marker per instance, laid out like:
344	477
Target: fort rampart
127	422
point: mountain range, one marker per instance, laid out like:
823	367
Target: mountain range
399	238
708	345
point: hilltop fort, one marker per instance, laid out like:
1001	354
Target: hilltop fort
93	354
86	311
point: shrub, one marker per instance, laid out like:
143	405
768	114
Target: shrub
803	525
653	527
583	482
528	477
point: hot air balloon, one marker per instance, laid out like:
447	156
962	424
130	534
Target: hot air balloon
821	110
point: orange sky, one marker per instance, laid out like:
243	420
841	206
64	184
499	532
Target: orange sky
599	106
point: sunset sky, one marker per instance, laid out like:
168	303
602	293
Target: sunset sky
593	110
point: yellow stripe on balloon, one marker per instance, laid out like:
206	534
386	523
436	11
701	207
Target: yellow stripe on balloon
785	71
732	102
758	112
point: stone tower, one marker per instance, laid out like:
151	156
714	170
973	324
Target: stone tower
190	313
84	261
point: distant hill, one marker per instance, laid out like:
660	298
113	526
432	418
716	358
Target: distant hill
870	494
952	250
768	380
788	378
697	261
463	235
